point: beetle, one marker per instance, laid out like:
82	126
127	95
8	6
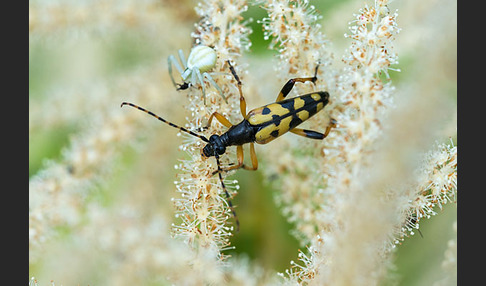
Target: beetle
261	125
201	60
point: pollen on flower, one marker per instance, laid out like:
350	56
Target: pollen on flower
436	187
203	207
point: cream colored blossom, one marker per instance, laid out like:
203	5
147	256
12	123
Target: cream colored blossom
129	200
203	207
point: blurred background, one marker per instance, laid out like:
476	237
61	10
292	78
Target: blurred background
86	57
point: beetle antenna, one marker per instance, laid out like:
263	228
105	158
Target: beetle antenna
165	121
228	197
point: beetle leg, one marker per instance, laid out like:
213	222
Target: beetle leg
291	82
308	133
314	134
223	120
242	98
254	160
332	124
240	156
220	118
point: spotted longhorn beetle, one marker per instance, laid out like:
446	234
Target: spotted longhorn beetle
261	125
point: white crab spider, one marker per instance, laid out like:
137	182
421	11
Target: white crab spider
201	60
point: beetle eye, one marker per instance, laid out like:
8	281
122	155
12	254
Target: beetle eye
221	150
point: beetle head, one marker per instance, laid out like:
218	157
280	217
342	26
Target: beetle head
214	147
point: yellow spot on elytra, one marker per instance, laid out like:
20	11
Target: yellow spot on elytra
316	96
284	125
255	116
263	136
298	103
303	115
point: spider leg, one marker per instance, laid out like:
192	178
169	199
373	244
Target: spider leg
182	58
211	80
201	80
172	60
